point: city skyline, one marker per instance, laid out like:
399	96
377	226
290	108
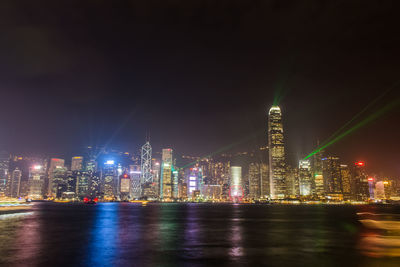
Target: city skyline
178	79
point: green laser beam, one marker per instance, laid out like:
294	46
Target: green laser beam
361	112
357	126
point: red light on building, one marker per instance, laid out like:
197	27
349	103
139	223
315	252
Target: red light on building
125	175
370	179
360	163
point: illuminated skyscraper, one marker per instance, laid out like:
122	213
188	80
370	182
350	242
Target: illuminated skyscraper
54	163
145	165
360	182
135	178
276	154
166	174
109	180
124	186
36	182
15	182
258	181
318	175
236	189
305	178
332	178
76	163
4	164
346	181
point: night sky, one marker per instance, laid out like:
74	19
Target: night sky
198	75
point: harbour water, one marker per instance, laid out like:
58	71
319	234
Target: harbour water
128	234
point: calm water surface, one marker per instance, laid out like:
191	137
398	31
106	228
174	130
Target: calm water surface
127	234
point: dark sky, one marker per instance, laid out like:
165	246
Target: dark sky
198	75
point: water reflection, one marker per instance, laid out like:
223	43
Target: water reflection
103	237
381	235
236	249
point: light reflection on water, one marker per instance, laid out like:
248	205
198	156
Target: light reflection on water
127	234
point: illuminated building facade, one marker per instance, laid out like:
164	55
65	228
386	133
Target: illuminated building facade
305	178
4	166
332	178
360	181
258	181
194	181
15	182
54	163
155	170
59	181
166	183
110	180
82	182
276	154
95	188
135	179
124	186
36	182
318	175
236	189
145	162
77	163
292	182
346	181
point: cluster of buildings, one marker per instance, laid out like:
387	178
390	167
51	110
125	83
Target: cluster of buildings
262	175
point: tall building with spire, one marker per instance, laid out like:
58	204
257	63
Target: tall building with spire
276	154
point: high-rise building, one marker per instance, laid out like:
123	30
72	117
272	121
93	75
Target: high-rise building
360	181
4	165
109	177
36	182
166	182
276	154
82	182
145	164
305	178
135	179
346	181
318	175
292	182
54	163
95	188
77	163
124	186
254	181
332	178
59	181
258	181
236	188
15	182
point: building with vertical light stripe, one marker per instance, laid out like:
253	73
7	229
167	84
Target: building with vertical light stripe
277	174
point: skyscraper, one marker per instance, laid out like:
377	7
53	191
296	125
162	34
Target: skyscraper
360	182
145	165
346	181
332	178
76	163
36	182
318	175
166	174
54	163
4	164
109	180
258	181
15	182
236	189
305	178
276	154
